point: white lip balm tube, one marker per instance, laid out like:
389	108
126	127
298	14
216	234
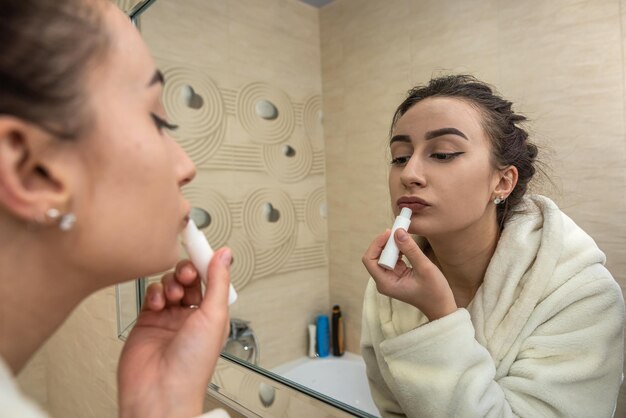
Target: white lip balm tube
200	253
389	256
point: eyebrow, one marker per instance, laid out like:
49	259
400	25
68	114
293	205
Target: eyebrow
429	135
157	78
400	138
444	131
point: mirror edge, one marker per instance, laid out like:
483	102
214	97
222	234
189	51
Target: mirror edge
330	407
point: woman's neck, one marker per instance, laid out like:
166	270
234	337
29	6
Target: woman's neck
463	257
37	293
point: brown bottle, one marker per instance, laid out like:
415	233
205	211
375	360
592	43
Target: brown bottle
338	332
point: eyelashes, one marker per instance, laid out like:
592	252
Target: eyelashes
400	161
446	156
162	123
438	156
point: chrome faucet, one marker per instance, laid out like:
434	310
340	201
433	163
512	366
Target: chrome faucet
242	341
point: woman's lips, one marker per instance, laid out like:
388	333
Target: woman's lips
413	203
415	207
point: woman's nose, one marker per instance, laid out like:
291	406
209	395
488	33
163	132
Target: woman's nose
186	168
413	173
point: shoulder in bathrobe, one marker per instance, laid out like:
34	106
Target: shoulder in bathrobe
542	337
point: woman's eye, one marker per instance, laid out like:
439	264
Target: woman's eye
400	161
162	123
445	156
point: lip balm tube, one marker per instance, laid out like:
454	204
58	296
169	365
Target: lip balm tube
389	256
200	253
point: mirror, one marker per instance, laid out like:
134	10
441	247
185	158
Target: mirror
285	107
252	123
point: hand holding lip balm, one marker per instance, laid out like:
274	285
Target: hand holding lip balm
200	253
389	256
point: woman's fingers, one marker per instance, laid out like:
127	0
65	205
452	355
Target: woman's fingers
421	285
216	297
186	273
183	286
189	278
155	298
193	294
213	322
372	254
180	287
174	291
394	282
410	249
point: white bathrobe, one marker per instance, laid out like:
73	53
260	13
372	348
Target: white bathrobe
543	336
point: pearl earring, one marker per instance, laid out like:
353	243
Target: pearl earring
53	213
66	222
499	200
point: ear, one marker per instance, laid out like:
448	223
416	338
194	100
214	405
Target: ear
31	178
507	181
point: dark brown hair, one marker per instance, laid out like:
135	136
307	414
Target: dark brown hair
510	145
47	46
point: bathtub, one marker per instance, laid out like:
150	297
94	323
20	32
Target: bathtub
342	378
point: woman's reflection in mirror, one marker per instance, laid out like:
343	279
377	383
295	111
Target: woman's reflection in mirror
501	305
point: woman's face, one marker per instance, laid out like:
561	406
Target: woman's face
441	167
128	203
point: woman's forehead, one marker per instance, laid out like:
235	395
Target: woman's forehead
441	112
129	62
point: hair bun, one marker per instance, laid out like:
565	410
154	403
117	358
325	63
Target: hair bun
532	151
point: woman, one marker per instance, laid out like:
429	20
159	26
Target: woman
505	308
84	158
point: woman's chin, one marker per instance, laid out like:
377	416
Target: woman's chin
418	230
424	231
162	264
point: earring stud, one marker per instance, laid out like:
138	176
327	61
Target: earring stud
66	222
497	200
53	213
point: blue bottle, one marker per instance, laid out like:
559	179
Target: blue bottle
323	336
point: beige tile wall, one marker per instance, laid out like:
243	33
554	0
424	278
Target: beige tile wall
260	49
561	62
